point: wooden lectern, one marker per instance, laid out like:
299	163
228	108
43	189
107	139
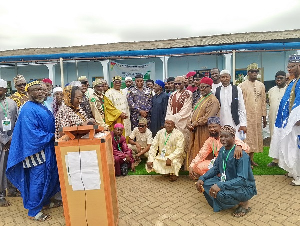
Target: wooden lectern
87	178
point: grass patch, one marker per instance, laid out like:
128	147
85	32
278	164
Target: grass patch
262	159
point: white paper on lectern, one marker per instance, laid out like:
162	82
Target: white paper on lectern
84	170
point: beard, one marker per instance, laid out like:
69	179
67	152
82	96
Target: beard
215	135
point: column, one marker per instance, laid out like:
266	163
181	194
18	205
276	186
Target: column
227	65
51	69
165	59
105	71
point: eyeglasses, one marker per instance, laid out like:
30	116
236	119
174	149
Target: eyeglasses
203	87
177	83
280	78
141	126
291	66
22	84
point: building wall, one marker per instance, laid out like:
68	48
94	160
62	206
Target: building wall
270	61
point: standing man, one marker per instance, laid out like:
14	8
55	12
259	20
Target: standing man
128	83
85	104
159	107
192	86
31	164
197	95
116	107
275	94
8	117
97	103
255	103
171	86
180	106
20	97
215	76
285	143
233	111
207	106
49	99
139	101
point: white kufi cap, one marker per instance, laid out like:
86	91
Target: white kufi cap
3	83
224	72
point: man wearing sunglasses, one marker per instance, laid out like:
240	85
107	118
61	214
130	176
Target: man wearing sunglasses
255	103
20	97
180	106
140	141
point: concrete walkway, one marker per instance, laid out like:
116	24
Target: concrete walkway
153	200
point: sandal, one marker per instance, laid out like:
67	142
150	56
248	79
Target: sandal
14	194
4	202
173	178
241	211
40	217
53	204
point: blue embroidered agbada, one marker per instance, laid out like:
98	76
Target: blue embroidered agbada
158	112
34	132
239	185
285	143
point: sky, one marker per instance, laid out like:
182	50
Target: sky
58	23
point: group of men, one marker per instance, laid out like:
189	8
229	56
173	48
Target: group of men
184	122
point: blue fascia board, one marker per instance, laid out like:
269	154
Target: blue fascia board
156	52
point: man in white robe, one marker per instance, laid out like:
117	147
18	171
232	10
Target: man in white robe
233	111
116	107
180	106
215	76
285	143
275	95
170	145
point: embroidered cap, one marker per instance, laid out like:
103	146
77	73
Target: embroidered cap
117	78
228	129
213	120
32	83
294	58
253	66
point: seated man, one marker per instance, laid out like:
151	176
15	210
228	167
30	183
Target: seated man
122	154
140	141
210	150
170	145
230	181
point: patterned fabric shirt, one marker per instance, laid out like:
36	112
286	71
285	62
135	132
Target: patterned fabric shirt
66	117
196	97
139	100
85	105
19	98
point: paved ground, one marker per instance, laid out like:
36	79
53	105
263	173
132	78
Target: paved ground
153	200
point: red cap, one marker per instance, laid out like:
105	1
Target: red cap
207	81
190	74
47	80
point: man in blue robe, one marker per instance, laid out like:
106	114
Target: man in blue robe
285	143
230	181
159	107
31	165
